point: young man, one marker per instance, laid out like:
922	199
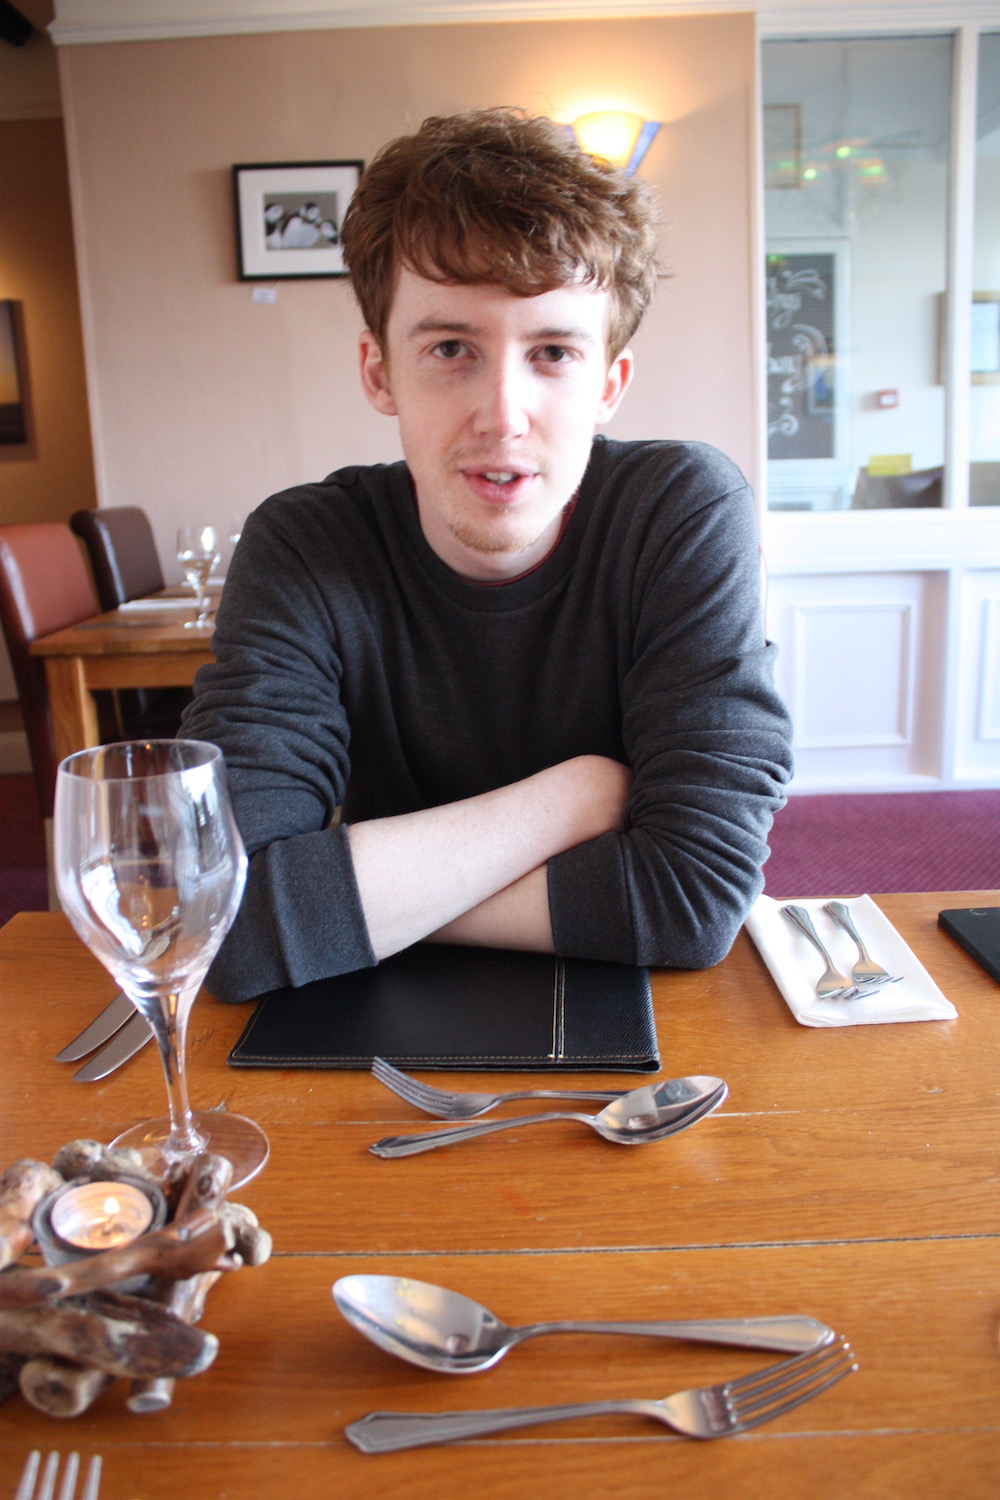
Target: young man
527	663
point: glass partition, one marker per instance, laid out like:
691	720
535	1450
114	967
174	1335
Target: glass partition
984	404
856	148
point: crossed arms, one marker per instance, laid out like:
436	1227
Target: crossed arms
474	871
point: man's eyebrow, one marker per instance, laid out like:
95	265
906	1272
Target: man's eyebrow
450	326
440	325
573	335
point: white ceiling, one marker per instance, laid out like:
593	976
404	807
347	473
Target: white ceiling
121	20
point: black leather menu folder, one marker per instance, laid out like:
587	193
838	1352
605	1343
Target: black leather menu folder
455	1007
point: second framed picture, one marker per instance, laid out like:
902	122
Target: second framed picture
289	216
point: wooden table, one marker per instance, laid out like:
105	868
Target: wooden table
853	1174
119	649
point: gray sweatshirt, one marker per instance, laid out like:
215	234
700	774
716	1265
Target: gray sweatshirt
354	668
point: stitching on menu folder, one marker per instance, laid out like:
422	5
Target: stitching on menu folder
559	1010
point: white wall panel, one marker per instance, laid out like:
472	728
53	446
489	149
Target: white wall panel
873	703
861	669
978	741
989	696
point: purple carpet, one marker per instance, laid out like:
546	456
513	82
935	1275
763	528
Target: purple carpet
820	846
23	883
885	841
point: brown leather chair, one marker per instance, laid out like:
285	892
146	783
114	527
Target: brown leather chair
122	550
119	541
44	586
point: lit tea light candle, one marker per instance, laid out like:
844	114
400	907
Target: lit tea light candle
83	1218
101	1215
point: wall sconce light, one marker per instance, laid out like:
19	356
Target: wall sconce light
621	138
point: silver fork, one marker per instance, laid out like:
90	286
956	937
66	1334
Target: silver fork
865	971
47	1483
831	985
466	1106
708	1411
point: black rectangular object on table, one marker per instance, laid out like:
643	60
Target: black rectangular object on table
977	929
454	1007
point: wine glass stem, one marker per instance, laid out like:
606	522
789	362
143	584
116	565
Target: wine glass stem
170	1027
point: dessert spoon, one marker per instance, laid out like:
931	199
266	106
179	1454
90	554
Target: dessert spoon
645	1114
441	1330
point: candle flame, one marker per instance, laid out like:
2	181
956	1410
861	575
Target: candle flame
111	1206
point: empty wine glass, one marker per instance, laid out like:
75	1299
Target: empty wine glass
235	529
198	553
150	869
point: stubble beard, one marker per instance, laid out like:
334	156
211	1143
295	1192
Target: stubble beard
489	542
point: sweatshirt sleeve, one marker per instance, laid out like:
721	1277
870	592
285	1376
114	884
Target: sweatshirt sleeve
708	742
271	701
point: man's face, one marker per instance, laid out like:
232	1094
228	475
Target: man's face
498	398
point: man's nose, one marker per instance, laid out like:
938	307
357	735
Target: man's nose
503	405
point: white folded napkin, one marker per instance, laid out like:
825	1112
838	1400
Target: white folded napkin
150	603
796	965
171	601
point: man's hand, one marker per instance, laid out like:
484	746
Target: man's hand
473	871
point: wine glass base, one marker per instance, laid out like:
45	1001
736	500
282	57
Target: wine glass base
238	1139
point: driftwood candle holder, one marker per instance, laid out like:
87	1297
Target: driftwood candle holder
68	1331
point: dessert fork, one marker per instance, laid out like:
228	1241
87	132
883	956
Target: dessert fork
47	1483
864	971
466	1106
831	985
709	1411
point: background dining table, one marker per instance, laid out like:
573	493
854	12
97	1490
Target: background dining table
853	1174
134	646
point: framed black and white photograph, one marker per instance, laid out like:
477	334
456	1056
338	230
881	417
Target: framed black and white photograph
289	216
13	394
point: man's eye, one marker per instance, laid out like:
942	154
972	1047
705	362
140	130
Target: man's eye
450	348
554	354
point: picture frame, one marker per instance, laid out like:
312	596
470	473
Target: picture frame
985	344
289	216
984	339
14	415
782	146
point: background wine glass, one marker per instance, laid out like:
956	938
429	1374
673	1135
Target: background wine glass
235	529
198	553
150	870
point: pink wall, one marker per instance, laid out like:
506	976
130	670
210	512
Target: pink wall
54	474
202	401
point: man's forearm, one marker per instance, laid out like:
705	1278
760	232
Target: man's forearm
516	917
420	872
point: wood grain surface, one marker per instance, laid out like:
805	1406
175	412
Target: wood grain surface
114	650
852	1174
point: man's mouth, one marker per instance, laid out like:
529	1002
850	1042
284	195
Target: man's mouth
498	483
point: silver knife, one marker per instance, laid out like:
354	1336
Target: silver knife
124	1044
101	1029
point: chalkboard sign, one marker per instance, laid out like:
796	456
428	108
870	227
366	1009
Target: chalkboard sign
801	369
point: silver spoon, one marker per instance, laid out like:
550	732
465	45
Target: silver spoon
646	1114
441	1330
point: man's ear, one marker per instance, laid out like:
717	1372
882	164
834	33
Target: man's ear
375	375
616	383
